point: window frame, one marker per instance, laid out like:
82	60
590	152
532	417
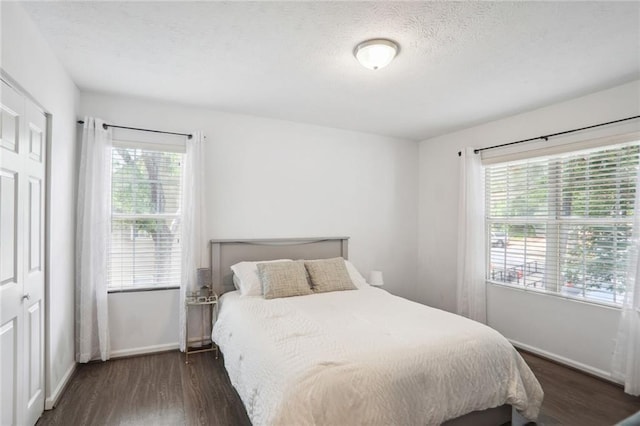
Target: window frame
557	221
161	146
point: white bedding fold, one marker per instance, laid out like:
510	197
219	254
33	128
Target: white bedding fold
366	357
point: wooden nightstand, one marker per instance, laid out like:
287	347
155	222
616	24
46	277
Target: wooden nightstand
205	302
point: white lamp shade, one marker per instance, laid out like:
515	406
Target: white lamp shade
375	278
376	54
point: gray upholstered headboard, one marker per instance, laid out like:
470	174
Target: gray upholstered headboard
225	253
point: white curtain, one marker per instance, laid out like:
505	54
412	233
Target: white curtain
194	241
93	233
626	355
471	284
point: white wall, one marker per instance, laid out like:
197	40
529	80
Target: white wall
577	333
28	60
272	178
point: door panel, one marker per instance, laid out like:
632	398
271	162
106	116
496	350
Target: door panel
36	142
35	231
33	349
10	109
8	227
9	374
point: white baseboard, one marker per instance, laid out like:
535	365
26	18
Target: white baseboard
152	349
144	350
566	361
52	400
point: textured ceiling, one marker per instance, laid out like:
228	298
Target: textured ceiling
460	63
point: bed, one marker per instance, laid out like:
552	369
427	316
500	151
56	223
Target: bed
361	357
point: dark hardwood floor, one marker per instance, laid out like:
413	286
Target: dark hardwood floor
575	398
160	389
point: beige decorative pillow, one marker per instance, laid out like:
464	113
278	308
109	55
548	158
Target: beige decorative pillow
283	279
329	275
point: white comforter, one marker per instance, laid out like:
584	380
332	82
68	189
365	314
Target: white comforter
366	357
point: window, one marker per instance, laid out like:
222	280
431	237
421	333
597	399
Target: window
146	190
563	224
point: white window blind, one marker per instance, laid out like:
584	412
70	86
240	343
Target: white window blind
145	221
563	224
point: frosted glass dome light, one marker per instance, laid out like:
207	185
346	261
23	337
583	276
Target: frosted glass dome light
375	54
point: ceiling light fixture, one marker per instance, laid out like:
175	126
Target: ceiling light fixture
375	54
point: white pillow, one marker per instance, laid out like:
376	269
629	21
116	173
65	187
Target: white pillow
236	282
355	276
248	279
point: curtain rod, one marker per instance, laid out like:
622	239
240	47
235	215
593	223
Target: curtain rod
105	126
546	137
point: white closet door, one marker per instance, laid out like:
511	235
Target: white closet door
11	259
33	304
22	211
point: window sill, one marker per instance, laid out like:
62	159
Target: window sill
141	289
556	295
